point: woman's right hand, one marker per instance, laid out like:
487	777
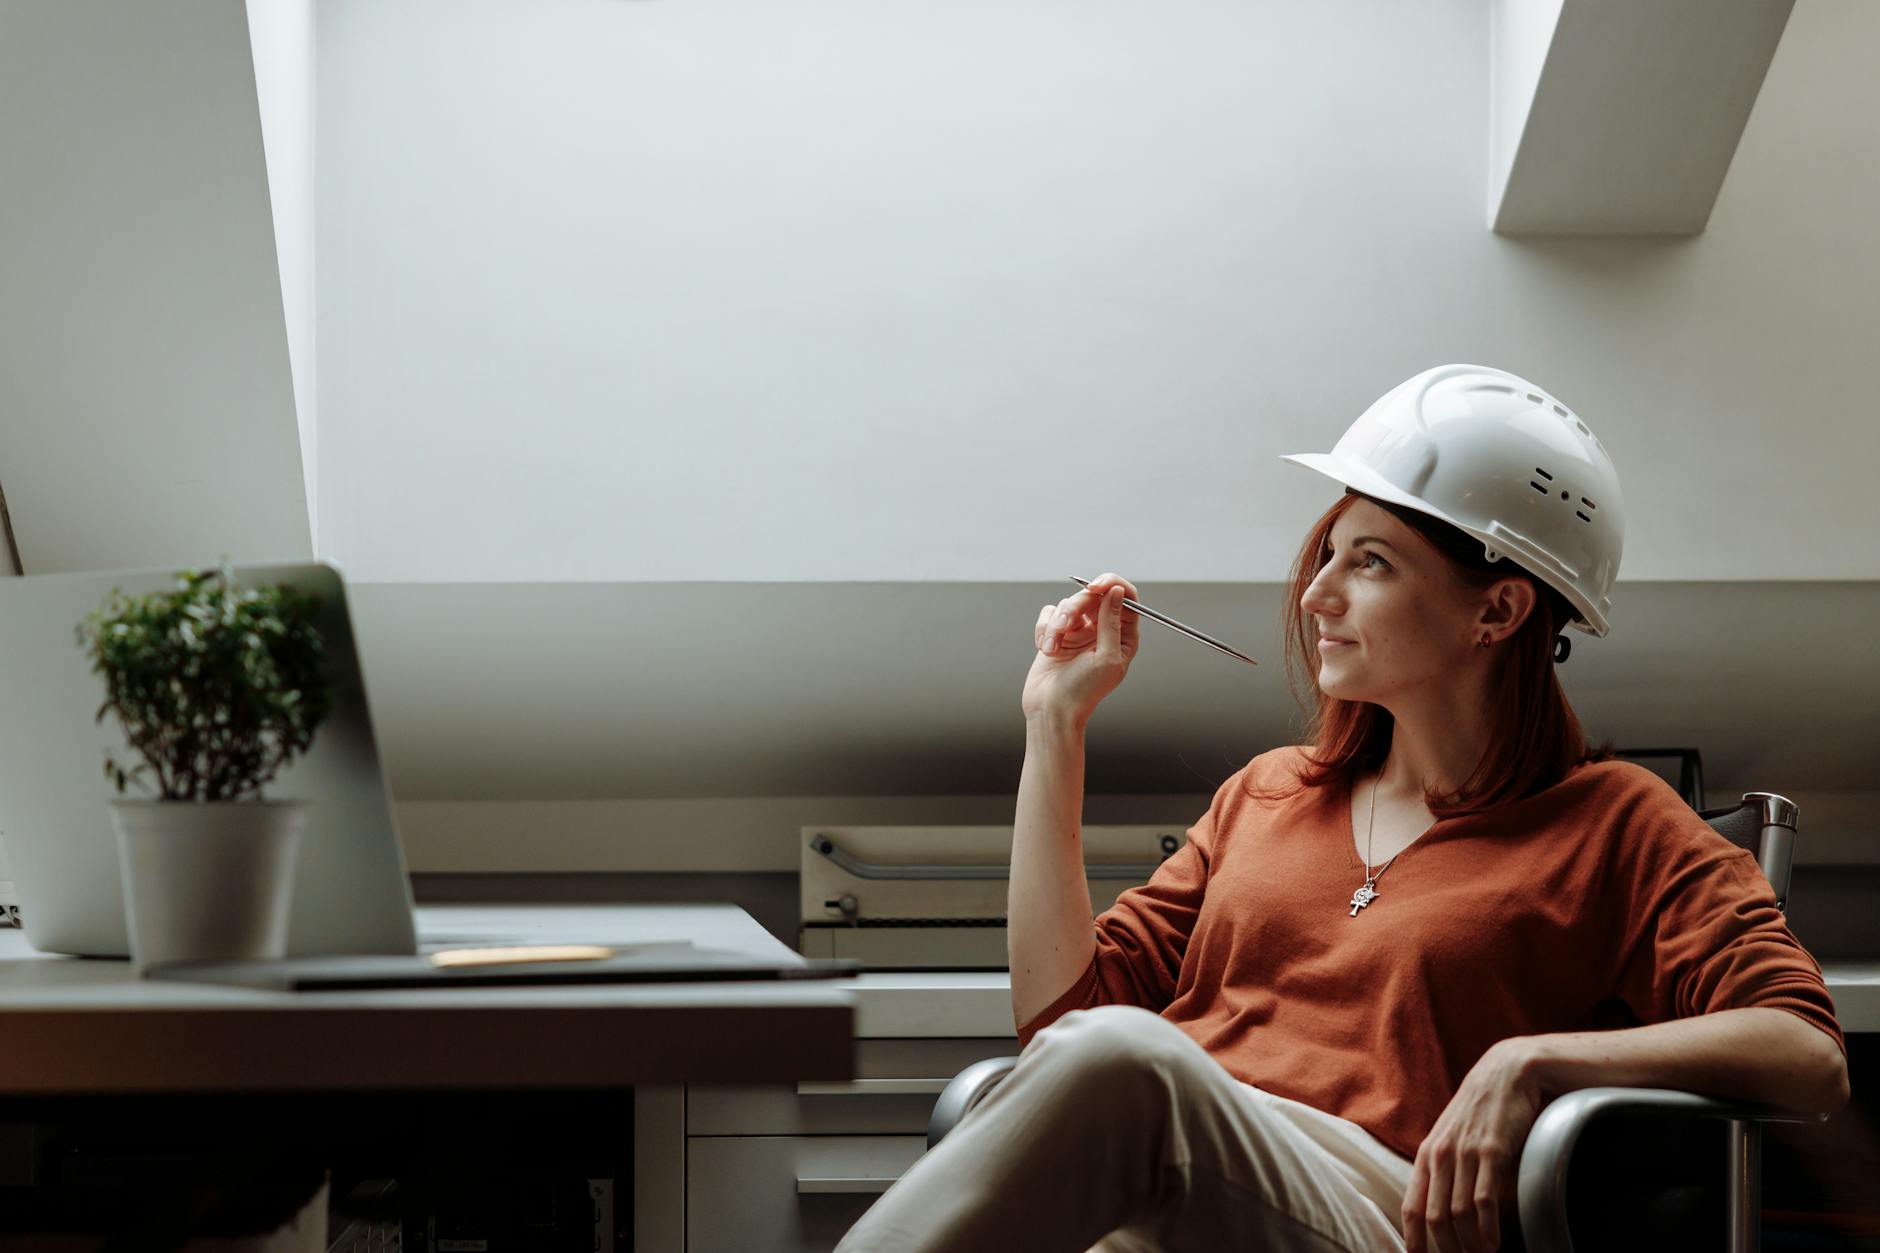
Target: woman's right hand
1085	644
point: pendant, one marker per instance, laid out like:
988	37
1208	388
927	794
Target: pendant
1362	897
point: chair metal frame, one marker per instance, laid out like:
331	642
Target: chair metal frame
1764	823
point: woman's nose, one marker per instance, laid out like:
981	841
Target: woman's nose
1315	598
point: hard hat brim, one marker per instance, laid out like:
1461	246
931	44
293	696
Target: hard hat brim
1370	483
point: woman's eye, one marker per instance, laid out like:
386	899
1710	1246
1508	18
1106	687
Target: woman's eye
1326	560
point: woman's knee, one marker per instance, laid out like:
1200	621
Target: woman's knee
1116	1043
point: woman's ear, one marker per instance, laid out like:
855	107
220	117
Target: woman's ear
1508	604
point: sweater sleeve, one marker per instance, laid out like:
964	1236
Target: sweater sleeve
1702	932
1141	938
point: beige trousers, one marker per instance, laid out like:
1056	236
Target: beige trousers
1115	1130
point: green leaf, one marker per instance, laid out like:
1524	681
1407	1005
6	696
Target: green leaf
211	682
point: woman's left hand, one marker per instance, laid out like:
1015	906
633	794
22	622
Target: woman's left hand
1467	1164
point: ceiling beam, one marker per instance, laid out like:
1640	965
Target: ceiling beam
1615	117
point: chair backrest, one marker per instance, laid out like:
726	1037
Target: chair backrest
1765	824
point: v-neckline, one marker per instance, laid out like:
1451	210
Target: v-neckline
1346	821
1351	843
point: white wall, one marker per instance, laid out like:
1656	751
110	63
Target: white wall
281	35
843	290
957	295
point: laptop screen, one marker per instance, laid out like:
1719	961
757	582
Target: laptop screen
351	890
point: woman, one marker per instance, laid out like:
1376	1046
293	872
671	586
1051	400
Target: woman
1271	1046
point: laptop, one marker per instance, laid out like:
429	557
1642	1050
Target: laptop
351	890
352	924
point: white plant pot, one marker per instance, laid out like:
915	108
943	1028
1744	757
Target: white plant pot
207	880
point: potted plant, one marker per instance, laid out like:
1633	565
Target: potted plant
217	688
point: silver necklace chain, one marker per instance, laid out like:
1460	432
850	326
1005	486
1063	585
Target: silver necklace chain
1368	893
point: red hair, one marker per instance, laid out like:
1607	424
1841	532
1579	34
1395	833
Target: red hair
1534	736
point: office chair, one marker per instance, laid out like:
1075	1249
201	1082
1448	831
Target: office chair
1632	1182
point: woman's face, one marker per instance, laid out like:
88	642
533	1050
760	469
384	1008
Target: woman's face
1411	622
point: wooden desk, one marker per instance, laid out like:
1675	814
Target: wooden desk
88	1031
89	1027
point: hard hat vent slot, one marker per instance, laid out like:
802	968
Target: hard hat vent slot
1562	411
1582	517
1543	474
1536	399
1537	487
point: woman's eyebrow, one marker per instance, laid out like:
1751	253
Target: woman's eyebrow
1366	539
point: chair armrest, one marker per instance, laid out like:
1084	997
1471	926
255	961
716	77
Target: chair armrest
1542	1186
964	1091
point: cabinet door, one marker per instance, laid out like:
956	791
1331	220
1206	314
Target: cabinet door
786	1194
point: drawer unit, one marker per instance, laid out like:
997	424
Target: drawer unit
790	1167
896	1085
776	1169
786	1194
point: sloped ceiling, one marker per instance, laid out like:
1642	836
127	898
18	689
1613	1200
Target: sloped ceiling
518	691
1618	118
146	400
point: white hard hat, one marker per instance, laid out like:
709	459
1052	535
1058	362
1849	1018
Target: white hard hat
1499	459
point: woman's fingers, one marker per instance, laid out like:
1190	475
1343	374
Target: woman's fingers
1064	624
1072	621
1051	627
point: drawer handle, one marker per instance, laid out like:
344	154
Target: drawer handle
850	1186
874	1087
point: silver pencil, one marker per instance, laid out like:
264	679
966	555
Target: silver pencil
1165	620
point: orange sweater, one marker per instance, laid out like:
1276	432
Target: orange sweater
1601	902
